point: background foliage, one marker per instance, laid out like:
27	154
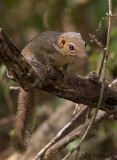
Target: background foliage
23	19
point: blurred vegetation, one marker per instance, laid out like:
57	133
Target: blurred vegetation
23	19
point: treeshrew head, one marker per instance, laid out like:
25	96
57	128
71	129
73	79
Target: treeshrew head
72	44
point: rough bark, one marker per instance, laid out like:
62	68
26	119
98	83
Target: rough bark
38	76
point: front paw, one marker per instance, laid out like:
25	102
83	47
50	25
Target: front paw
94	76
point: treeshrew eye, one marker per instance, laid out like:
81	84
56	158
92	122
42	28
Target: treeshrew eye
71	47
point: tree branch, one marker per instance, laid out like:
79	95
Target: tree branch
39	76
71	136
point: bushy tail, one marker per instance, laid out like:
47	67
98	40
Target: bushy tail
24	120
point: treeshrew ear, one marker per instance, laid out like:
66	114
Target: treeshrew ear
62	41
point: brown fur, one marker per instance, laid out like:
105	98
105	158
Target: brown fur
23	123
51	48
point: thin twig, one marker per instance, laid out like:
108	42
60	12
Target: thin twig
90	125
75	134
80	117
102	88
113	83
93	36
15	88
100	24
94	39
102	62
108	37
